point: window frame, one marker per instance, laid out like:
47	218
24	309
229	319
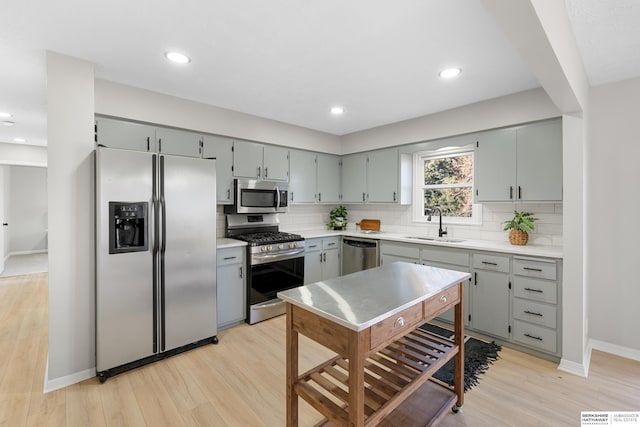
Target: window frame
419	186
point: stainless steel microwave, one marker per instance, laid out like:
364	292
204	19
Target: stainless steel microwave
256	196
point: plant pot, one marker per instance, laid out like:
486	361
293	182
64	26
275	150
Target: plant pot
518	237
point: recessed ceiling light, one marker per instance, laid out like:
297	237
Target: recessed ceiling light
5	115
337	110
19	140
177	57
8	123
450	72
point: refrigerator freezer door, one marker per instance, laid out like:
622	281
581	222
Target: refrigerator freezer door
124	281
188	191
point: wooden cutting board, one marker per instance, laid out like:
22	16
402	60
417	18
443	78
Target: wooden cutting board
369	224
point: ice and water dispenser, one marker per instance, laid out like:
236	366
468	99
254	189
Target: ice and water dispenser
128	224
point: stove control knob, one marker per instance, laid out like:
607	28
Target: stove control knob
293	245
269	248
280	246
263	249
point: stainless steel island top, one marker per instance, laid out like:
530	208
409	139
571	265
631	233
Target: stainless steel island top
359	300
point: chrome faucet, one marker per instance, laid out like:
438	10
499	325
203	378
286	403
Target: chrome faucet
441	232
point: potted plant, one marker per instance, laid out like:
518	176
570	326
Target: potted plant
520	225
338	218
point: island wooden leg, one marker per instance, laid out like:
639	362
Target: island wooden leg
292	370
356	379
458	363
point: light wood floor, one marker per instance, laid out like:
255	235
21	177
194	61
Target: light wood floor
240	382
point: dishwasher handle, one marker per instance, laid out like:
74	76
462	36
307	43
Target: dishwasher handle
360	243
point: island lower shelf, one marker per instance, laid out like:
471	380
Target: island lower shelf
391	375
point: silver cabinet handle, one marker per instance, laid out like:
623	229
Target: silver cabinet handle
510	192
532	269
241	272
331	244
394	196
363	197
490	263
325	257
266	172
258	171
159	145
229	257
533	314
319	197
533	337
399	323
534	290
321	257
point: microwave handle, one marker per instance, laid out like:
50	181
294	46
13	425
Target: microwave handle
278	198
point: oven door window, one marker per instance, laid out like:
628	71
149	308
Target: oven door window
254	198
269	279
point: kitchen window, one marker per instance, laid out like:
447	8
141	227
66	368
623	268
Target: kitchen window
444	178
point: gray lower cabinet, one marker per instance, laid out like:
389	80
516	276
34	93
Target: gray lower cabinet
394	251
221	148
491	294
231	285
321	259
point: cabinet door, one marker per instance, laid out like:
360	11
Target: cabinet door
328	183
221	149
354	178
495	166
330	264
247	160
540	162
382	176
490	304
128	135
276	163
313	267
178	142
302	187
231	294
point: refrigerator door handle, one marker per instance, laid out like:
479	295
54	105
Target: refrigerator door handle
154	215
163	246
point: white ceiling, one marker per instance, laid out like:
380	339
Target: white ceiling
290	60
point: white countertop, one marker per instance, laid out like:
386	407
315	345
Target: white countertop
469	244
224	243
360	300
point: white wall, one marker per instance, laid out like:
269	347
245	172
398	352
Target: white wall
504	111
28	210
613	204
117	100
70	119
20	154
5	193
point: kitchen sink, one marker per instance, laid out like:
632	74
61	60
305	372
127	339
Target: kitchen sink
436	239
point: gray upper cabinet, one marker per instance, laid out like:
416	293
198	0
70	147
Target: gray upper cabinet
520	164
179	142
258	161
128	135
221	149
354	178
328	183
539	162
382	176
302	186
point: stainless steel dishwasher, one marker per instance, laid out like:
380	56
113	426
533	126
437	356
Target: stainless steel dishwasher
359	254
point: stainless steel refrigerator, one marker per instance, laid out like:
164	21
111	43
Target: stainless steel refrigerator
155	257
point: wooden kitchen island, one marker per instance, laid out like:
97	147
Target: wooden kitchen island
383	364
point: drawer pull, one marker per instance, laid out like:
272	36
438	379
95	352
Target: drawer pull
331	244
532	269
532	336
229	257
399	322
490	263
532	313
313	246
534	290
443	298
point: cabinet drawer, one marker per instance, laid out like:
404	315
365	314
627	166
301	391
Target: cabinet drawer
533	289
401	250
396	325
312	245
531	268
435	306
535	312
535	336
447	256
332	243
491	262
229	256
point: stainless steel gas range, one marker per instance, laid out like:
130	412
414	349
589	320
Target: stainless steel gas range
275	262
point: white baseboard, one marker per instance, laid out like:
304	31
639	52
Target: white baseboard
579	369
616	350
58	383
38	251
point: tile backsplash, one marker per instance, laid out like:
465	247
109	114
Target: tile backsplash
398	219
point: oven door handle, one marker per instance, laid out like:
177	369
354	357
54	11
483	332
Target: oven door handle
288	254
